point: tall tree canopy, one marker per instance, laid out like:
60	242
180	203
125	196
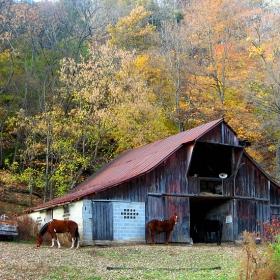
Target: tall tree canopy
81	82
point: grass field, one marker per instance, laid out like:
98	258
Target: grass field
199	261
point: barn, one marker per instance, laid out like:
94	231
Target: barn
200	173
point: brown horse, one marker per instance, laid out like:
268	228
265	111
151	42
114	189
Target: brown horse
59	226
156	226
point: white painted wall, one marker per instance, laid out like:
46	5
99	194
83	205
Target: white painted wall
71	211
128	219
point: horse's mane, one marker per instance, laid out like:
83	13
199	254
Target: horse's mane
43	229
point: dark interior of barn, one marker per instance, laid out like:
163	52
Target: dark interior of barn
210	160
199	208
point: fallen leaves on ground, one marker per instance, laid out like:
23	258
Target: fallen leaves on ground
199	261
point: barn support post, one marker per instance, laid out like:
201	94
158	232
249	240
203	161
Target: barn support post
234	220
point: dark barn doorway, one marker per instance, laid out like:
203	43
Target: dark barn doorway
207	207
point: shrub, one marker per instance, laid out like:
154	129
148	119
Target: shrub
275	257
261	259
27	229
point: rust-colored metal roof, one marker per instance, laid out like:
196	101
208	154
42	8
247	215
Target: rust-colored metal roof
131	164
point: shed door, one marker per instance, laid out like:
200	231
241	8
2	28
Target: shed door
102	221
156	210
163	207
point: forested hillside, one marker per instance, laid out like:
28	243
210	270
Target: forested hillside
82	81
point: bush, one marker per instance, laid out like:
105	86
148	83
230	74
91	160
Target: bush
27	229
275	257
261	259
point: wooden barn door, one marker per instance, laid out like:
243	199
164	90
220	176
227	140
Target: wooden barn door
102	220
155	210
163	207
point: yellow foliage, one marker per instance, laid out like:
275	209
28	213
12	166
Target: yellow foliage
133	31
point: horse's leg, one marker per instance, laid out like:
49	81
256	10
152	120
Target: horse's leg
55	238
206	236
73	243
167	237
78	243
52	242
58	243
75	238
153	233
219	237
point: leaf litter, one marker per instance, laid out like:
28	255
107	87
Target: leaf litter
143	261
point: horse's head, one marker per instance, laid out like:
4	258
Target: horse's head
39	240
176	218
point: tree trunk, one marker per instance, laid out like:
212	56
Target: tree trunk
278	160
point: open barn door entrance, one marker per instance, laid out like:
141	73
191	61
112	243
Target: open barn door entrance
202	208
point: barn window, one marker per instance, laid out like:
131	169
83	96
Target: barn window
129	213
66	212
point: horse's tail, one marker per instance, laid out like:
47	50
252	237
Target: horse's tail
148	234
77	236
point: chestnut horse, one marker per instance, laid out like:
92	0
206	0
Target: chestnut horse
157	226
59	226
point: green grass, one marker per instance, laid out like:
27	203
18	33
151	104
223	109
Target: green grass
121	262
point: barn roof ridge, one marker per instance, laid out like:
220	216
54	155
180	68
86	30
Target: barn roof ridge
132	164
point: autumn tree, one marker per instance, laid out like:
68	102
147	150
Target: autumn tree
69	102
133	31
110	104
264	82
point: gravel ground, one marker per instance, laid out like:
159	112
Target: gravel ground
200	261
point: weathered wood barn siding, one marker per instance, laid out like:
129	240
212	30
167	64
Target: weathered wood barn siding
186	180
220	134
161	189
253	197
